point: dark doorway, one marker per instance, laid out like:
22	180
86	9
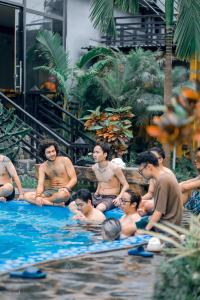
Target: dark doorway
11	53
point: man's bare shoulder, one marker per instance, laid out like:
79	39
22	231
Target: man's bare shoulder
64	159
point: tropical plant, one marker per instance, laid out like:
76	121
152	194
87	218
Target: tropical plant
49	47
187	31
180	122
112	126
11	132
179	276
120	80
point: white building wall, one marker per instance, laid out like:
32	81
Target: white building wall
80	32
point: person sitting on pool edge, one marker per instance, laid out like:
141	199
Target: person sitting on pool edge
167	195
111	180
8	174
83	200
129	203
147	203
190	193
59	171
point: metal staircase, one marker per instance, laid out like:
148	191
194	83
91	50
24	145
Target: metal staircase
158	7
69	134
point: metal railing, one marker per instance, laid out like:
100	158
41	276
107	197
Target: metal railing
40	130
138	31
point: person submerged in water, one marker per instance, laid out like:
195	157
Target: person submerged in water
87	213
8	174
59	171
129	203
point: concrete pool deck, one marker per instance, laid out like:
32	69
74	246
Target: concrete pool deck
107	276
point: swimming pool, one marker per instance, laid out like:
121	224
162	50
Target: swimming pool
31	234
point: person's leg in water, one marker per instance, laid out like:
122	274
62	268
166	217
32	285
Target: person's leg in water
5	191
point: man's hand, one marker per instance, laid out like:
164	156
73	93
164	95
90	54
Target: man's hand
116	201
65	190
79	216
21	197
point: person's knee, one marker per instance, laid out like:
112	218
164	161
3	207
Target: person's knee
62	195
6	189
101	207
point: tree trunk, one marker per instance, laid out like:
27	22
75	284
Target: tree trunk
168	80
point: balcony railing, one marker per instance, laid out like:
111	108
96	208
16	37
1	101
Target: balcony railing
147	31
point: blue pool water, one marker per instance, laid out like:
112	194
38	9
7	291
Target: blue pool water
31	234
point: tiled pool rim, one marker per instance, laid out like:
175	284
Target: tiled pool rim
9	265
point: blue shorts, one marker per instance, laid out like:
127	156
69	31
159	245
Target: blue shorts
193	203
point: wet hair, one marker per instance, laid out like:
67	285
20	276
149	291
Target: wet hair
111	229
105	148
158	150
147	157
46	144
83	194
135	197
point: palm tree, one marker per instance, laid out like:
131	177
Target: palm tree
186	34
56	60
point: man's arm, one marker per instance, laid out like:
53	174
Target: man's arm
41	178
13	174
190	184
120	175
71	173
154	219
149	194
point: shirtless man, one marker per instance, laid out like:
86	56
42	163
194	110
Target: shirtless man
191	189
59	171
7	175
111	180
87	213
129	204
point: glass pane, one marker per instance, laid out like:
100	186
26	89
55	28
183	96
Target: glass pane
34	23
48	6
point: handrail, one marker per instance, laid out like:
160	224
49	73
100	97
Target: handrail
61	109
78	122
35	120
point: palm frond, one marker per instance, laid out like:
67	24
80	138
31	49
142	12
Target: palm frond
95	53
188	30
50	47
102	13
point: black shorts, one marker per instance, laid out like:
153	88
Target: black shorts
11	196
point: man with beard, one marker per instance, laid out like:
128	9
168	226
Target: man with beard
190	189
60	173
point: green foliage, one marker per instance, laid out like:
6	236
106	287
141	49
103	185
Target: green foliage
102	13
179	276
49	47
11	132
184	169
188	30
112	126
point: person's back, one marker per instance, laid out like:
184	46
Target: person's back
167	198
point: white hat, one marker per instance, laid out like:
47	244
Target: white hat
154	245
